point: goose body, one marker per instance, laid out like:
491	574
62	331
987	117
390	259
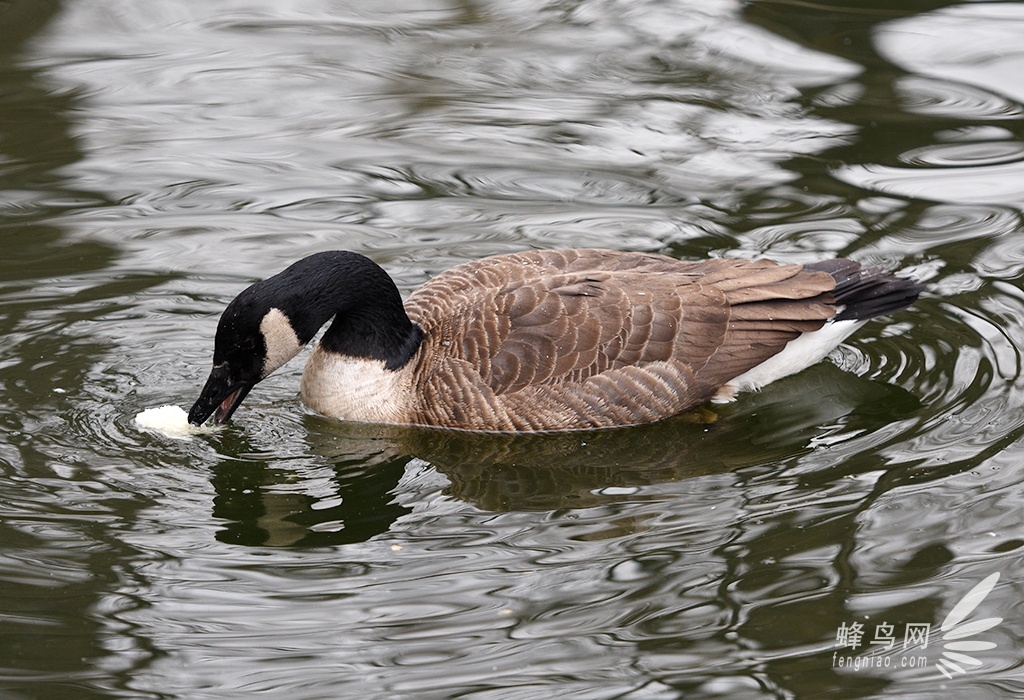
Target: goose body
540	340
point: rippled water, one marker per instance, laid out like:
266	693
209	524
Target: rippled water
157	157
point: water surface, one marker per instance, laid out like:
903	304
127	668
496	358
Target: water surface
157	157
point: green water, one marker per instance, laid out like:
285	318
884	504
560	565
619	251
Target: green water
157	157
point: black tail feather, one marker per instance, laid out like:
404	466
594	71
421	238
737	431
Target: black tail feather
866	292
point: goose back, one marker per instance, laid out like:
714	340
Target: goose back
578	339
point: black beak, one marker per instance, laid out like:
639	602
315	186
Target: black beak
220	397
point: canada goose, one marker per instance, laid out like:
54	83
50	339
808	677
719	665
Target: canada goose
539	340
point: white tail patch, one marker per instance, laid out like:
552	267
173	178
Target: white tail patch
799	354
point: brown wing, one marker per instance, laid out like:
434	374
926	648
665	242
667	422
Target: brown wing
591	338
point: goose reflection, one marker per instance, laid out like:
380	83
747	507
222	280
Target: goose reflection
263	504
574	470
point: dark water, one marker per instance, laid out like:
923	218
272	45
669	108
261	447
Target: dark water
157	157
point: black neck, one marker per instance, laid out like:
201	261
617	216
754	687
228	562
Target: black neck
381	331
369	317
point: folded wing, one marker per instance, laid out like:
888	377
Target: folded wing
588	338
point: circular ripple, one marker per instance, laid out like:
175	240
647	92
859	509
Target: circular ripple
933	97
965	154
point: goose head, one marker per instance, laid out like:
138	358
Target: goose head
269	322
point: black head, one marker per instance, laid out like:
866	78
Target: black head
254	338
269	323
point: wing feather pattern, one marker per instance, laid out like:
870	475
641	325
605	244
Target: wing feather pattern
554	340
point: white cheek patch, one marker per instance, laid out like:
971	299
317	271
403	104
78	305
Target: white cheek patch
280	340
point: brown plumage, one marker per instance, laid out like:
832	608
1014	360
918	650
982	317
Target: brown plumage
544	340
550	340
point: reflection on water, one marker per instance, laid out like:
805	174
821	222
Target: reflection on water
349	502
157	157
579	470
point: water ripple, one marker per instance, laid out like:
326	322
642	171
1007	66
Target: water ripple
965	155
197	147
943	98
1002	183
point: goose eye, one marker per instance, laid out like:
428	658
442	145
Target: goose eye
245	345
